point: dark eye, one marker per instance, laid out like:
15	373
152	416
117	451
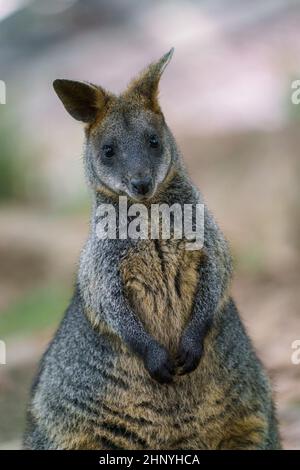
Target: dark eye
108	151
153	141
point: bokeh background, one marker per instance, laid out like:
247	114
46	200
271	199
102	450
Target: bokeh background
227	97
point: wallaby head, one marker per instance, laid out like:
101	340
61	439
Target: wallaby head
129	148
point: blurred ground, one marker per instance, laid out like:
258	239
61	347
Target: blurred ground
226	96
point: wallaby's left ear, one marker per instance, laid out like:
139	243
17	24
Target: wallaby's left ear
84	101
146	85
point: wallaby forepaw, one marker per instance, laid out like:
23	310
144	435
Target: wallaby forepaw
159	364
189	354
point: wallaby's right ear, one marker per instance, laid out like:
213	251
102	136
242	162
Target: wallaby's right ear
84	101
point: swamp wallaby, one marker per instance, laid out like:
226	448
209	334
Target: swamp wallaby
151	352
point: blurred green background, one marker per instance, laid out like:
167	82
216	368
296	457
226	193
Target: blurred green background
226	96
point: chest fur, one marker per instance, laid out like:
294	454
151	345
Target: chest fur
160	279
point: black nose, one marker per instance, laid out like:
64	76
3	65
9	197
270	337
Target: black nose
141	186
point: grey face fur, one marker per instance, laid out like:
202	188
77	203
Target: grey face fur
128	144
130	153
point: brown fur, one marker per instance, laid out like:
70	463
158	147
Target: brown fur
160	281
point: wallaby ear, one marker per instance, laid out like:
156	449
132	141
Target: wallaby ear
82	100
146	85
